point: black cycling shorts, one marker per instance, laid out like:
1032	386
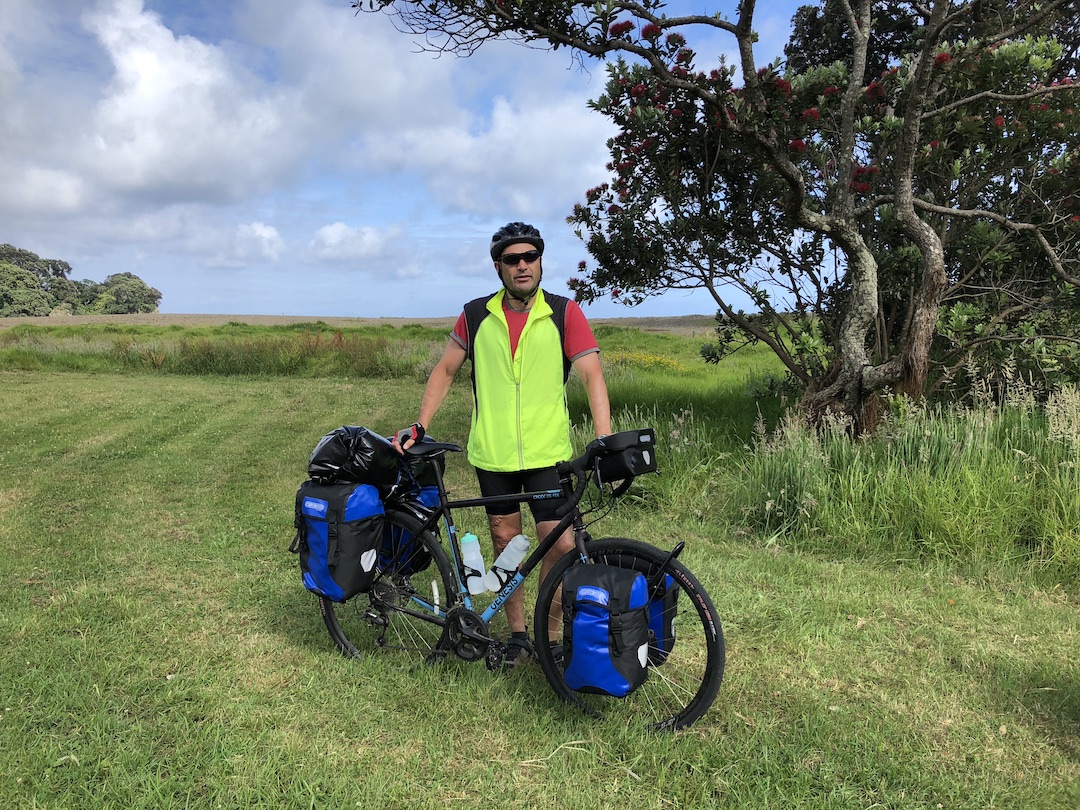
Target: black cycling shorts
512	483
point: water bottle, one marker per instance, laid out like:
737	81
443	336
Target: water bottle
504	567
473	559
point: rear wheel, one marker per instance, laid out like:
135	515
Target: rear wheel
685	668
407	604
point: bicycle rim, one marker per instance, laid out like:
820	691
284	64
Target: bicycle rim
406	605
684	675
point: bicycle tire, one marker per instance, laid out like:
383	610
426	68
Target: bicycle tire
401	611
679	690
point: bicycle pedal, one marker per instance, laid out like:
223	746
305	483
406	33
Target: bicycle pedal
496	654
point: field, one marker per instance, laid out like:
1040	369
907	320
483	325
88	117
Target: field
687	326
901	616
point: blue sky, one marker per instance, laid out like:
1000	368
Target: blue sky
285	157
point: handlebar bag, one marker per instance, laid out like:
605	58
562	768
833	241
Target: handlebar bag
625	455
605	629
662	611
338	531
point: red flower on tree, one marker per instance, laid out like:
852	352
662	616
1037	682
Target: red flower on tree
874	92
651	32
797	145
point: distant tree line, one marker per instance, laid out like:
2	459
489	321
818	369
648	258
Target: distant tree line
31	285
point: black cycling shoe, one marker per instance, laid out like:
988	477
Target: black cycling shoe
519	651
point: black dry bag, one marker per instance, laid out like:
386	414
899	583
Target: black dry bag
355	455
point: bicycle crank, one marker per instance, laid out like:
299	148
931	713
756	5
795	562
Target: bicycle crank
467	633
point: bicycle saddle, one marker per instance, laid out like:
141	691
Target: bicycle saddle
427	448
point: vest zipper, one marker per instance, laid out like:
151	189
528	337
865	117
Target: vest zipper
517	393
521	438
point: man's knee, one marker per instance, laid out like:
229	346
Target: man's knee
504	528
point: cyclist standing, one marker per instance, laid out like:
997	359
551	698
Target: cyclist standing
522	343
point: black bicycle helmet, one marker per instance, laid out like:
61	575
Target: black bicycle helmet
512	233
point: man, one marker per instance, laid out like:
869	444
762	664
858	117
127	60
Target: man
520	424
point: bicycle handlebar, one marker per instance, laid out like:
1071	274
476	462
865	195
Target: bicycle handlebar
639	443
631	452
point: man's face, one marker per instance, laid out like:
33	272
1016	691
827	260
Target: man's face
521	277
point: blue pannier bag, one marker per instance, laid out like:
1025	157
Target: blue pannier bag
605	629
338	531
400	553
662	611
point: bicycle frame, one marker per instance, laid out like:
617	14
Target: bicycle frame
444	512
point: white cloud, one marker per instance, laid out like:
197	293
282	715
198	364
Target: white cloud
342	243
178	121
203	145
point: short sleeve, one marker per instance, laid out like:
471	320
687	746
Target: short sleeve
461	332
579	339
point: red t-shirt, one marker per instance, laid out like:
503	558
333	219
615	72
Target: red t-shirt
577	340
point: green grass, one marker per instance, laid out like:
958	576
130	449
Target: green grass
159	650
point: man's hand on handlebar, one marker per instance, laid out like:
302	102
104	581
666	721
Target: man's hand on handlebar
407	437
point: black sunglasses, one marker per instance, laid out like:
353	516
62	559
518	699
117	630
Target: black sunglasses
512	259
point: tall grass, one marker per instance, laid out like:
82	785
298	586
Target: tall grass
995	488
306	350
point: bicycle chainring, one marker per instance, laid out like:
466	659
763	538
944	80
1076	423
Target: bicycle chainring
468	634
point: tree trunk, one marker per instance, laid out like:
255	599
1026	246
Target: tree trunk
846	390
915	356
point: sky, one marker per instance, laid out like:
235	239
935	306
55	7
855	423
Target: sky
289	157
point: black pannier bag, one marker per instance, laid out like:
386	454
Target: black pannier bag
662	612
339	528
605	629
356	455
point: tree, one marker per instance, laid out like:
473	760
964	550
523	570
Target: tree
30	285
828	160
42	268
20	292
124	293
995	315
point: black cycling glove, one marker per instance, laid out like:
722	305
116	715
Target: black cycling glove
415	431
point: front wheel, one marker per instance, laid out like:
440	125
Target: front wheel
405	609
686	647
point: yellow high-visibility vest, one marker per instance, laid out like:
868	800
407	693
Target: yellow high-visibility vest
520	420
